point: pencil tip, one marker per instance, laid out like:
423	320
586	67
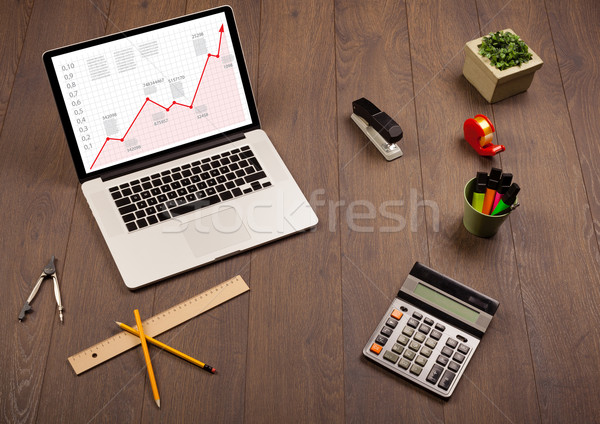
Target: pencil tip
158	402
117	322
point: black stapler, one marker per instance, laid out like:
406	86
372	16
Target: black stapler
379	127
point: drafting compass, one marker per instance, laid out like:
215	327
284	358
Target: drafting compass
379	127
48	271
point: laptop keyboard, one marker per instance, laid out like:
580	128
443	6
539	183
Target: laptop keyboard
184	189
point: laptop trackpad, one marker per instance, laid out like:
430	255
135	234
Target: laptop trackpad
215	232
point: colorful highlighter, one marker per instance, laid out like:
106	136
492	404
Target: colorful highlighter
507	200
490	191
479	192
505	182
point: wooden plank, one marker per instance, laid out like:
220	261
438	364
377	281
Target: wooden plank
575	34
556	251
295	365
373	60
13	26
438	32
96	296
37	208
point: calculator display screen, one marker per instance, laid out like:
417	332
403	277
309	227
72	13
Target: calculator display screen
446	303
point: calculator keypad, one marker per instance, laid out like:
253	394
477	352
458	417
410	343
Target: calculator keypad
446	380
446	351
380	340
430	343
420	337
391	322
387	331
403	340
413	323
404	364
453	366
390	356
435	374
435	334
376	349
417	344
451	342
424	329
464	349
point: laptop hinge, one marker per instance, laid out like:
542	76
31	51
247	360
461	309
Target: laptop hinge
128	169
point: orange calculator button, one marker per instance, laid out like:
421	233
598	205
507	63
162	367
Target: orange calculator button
396	314
375	348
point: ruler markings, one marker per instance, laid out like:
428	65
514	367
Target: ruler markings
166	320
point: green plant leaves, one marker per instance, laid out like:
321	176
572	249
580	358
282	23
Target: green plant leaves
504	50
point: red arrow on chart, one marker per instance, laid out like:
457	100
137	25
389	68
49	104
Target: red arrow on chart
149	100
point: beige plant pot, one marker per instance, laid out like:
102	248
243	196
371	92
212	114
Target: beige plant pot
493	84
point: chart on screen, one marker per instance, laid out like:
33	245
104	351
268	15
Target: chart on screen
142	94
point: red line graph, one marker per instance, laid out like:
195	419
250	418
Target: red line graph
167	108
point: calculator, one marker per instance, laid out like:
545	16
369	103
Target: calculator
430	332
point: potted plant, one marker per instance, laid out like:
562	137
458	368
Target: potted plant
500	65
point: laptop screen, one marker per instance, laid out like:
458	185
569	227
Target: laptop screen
133	95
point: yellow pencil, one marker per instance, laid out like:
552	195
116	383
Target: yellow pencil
138	321
168	348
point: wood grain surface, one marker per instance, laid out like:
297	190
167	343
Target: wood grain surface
290	350
382	229
295	321
14	19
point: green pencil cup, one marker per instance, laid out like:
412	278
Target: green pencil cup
474	221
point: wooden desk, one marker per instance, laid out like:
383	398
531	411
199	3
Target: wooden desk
290	350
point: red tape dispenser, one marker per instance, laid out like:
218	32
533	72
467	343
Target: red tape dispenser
479	134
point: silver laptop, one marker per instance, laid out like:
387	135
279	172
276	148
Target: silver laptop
166	140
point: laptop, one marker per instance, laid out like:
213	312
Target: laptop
165	137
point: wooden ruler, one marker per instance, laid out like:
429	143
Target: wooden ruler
158	324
